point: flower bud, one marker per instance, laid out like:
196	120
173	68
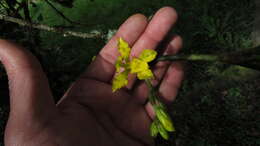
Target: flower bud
153	129
165	119
162	131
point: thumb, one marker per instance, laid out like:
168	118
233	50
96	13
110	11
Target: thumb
30	94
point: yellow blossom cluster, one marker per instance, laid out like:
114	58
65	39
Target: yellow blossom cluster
124	65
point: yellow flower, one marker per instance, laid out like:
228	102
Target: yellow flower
120	81
123	49
138	65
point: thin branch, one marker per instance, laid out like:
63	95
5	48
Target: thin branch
52	29
249	58
191	57
26	10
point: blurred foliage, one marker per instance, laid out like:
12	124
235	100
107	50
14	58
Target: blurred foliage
217	104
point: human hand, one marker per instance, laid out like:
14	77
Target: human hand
89	113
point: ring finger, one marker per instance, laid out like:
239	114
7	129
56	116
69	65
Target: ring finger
159	70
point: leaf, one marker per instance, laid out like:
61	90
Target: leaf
65	3
40	17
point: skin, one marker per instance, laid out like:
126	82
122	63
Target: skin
89	114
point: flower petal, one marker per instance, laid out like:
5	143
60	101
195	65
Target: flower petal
147	55
145	74
119	81
137	65
123	48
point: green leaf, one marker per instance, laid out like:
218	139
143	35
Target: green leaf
40	17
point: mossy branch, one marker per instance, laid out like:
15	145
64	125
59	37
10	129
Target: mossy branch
52	29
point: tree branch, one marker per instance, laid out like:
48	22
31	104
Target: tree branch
52	29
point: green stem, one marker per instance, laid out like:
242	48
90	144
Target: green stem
151	96
191	57
249	58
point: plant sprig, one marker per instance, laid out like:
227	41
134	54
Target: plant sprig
162	123
124	65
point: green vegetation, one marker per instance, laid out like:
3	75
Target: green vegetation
217	104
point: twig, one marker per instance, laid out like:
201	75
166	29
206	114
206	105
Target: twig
192	57
249	58
26	10
52	29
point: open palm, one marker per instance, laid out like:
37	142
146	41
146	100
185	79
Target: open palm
89	114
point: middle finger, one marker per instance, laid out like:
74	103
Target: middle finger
155	32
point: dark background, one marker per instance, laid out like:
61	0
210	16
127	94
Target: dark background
218	104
